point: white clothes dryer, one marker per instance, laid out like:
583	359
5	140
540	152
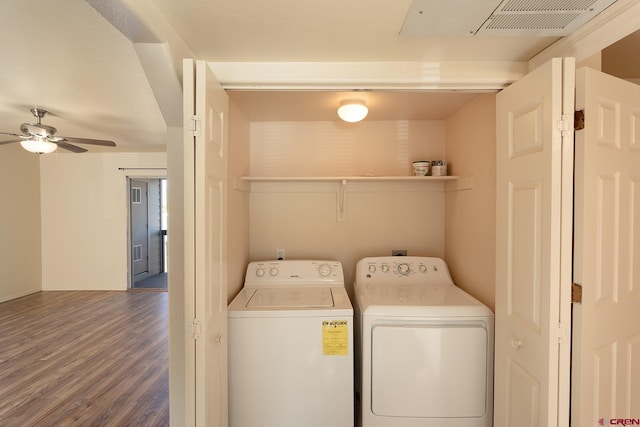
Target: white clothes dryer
291	347
424	347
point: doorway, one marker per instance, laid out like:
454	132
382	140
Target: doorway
147	233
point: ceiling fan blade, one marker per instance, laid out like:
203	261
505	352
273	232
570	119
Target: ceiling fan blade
70	147
10	141
12	134
102	142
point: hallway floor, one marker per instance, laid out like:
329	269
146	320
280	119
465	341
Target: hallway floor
85	359
159	281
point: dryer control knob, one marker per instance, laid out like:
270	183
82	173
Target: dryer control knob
260	272
372	268
423	268
273	271
385	268
403	268
324	270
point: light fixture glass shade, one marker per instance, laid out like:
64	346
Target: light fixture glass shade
38	146
352	110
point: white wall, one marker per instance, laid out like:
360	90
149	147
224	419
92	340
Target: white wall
238	201
20	252
471	214
302	218
335	148
176	271
85	217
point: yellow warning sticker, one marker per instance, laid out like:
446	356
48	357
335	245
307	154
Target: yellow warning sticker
335	338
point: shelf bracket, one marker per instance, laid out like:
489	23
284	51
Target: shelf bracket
341	212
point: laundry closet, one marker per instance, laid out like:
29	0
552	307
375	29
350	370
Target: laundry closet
336	190
292	204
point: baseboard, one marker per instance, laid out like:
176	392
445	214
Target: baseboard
19	295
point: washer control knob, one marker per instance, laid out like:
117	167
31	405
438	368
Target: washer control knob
385	268
260	272
372	268
423	268
273	271
324	270
403	268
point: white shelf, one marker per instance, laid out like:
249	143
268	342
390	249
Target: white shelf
340	185
451	183
347	178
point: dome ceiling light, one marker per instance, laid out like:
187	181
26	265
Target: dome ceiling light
38	145
352	110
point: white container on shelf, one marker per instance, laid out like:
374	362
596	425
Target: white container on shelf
439	168
421	167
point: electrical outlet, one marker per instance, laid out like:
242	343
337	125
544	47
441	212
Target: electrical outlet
279	254
83	272
398	252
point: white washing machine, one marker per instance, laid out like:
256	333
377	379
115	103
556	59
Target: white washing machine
424	347
291	347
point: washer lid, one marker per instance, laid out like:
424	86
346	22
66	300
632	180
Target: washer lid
288	301
289	297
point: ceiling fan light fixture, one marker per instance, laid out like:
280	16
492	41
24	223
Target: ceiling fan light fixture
352	110
38	146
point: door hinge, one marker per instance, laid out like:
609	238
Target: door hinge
576	293
578	120
564	125
564	334
196	329
194	125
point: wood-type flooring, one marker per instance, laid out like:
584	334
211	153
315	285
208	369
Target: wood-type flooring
84	359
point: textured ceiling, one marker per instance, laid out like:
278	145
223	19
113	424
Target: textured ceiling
111	69
320	105
328	30
64	57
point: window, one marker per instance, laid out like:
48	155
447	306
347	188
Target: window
136	195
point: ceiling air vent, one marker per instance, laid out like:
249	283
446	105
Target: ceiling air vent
543	18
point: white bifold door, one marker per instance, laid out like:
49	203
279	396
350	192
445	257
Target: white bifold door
533	244
205	198
538	259
606	330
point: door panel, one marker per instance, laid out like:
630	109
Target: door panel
210	244
205	243
606	365
524	287
139	229
523	396
188	245
532	307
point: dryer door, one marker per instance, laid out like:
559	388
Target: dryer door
429	370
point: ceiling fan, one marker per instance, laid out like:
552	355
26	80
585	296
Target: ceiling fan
39	138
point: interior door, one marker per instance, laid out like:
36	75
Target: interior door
139	208
606	360
533	259
205	241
